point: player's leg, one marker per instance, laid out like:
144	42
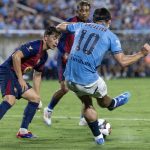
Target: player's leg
63	88
82	121
54	101
104	100
57	95
7	103
29	112
7	85
92	119
112	103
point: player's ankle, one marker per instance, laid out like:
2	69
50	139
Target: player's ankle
49	109
98	137
112	104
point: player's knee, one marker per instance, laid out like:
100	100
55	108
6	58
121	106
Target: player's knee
10	99
36	99
90	114
64	90
88	110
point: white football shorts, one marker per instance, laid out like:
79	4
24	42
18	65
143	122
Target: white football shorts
98	89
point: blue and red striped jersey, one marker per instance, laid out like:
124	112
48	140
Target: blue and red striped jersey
34	57
66	40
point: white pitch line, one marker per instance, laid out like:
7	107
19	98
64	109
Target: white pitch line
71	117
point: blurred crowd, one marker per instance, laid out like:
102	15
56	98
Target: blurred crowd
126	14
109	69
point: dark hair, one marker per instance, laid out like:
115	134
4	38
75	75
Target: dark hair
83	3
51	30
101	14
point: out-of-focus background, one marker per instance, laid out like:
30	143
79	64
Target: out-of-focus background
25	20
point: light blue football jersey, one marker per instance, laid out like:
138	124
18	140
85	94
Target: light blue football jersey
91	42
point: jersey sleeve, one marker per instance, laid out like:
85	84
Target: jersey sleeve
72	28
29	49
115	45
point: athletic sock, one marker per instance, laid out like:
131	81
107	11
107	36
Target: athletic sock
29	113
112	105
81	116
94	128
53	103
4	107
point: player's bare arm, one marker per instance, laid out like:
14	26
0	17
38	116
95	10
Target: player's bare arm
16	58
63	26
125	60
37	81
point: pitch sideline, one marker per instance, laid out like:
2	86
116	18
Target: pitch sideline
71	117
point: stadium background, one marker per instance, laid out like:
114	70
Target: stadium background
24	20
131	21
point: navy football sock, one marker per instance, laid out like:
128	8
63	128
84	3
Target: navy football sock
4	107
94	128
112	104
29	113
53	103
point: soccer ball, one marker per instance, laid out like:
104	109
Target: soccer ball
104	127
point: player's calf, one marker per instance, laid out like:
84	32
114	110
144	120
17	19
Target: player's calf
4	107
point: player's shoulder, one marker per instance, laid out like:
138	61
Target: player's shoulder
111	34
32	46
34	43
72	19
31	43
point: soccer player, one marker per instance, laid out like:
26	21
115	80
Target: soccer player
91	42
64	47
31	55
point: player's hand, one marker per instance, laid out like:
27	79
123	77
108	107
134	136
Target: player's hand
23	84
145	49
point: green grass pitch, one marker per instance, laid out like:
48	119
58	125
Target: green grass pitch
130	123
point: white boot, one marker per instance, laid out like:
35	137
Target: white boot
47	116
82	122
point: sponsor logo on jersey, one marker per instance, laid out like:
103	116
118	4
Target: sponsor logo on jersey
29	48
